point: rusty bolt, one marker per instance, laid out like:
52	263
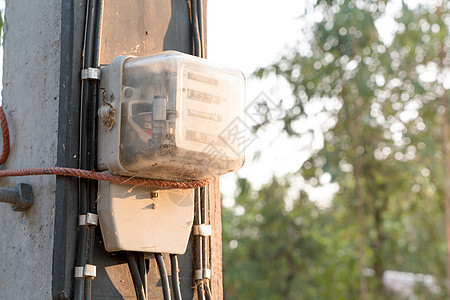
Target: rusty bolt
155	194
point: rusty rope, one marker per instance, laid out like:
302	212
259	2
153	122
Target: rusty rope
85	173
5	135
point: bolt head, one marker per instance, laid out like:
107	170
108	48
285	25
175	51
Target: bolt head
155	194
26	199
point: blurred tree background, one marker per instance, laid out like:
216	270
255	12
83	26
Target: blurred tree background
386	96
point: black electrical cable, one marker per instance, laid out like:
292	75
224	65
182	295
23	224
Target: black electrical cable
92	159
94	27
88	142
200	27
83	197
87	87
142	270
163	274
198	245
202	211
134	270
201	291
94	105
96	11
81	254
208	295
195	29
206	240
208	221
175	277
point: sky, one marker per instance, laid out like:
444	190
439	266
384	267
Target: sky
245	35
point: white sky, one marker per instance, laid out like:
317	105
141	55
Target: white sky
247	34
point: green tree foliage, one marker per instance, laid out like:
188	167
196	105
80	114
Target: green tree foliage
277	252
384	151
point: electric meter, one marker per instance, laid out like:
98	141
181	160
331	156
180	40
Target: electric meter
171	116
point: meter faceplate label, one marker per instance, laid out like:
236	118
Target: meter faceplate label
205	102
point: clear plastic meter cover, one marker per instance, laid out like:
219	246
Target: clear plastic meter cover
182	119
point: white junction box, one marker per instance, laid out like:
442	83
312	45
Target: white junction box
131	219
171	116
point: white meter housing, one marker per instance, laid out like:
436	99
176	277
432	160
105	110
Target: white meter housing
171	116
131	219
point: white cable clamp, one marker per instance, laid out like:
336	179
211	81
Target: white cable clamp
198	275
90	271
207	273
92	219
202	230
90	74
79	272
88	219
82	220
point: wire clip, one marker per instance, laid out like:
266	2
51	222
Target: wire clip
207	273
90	74
88	271
198	275
202	274
202	230
79	272
88	219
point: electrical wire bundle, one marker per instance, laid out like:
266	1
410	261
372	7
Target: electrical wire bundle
202	245
138	265
197	28
138	269
202	242
88	150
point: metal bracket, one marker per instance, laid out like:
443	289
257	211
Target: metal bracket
90	74
88	219
202	230
89	271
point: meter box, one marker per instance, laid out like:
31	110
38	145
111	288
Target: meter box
171	116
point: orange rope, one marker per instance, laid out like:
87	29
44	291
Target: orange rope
85	173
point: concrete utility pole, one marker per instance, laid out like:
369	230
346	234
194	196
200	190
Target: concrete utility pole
41	93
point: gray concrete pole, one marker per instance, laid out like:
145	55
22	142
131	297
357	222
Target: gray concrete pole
31	76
